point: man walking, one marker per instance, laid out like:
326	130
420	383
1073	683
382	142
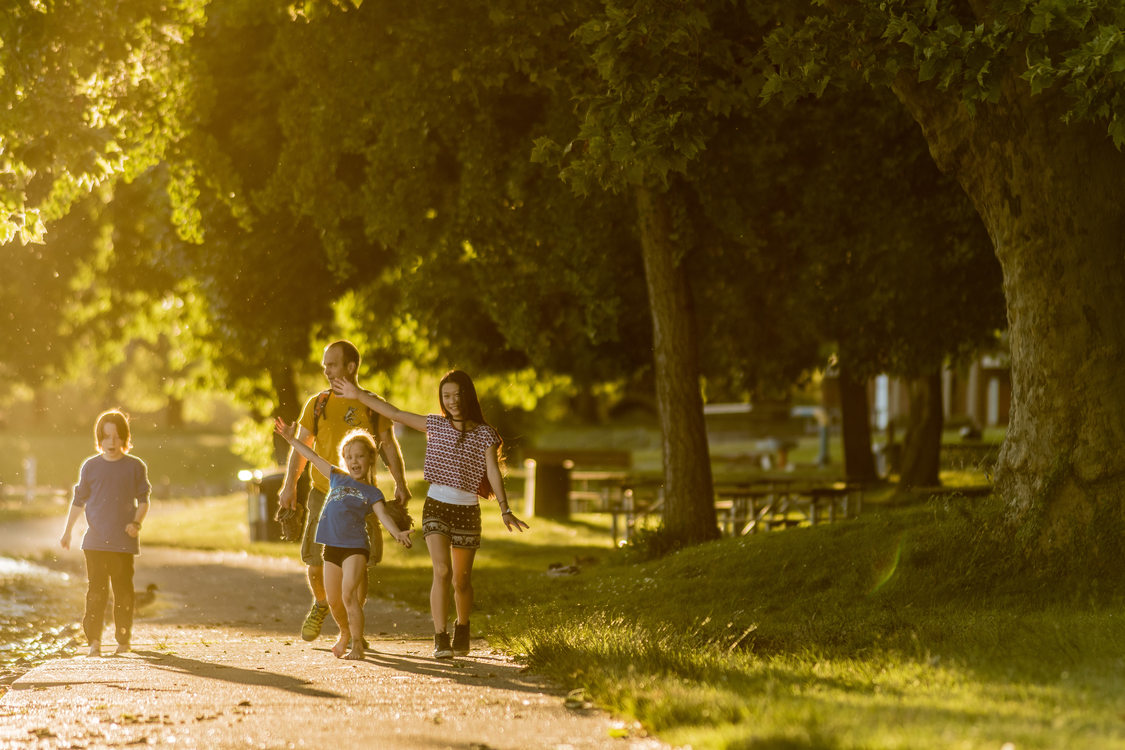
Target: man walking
325	419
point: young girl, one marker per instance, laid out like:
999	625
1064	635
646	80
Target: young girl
342	529
462	462
113	491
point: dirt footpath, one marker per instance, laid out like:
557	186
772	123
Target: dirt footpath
217	662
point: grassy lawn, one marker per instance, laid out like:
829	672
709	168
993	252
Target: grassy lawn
909	627
901	629
178	462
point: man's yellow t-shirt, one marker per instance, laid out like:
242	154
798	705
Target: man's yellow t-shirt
339	417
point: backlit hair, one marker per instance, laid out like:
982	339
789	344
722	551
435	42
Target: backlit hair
118	419
470	408
360	435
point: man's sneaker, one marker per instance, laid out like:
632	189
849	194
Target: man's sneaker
442	649
460	639
313	622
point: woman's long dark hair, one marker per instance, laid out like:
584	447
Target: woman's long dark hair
470	404
470	409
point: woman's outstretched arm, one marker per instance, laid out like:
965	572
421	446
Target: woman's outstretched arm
346	389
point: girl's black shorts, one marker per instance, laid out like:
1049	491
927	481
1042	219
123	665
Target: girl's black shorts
337	555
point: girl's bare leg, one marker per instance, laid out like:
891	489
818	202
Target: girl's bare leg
462	559
439	547
354	581
333	588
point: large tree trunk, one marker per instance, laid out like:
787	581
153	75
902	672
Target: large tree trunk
855	418
689	507
288	407
921	449
1050	195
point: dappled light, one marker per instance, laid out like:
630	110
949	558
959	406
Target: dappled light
785	343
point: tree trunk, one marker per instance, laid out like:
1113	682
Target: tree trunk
689	507
921	449
859	464
174	413
288	407
1050	195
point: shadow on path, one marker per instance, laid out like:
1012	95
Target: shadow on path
238	675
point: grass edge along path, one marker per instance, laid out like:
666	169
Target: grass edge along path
901	629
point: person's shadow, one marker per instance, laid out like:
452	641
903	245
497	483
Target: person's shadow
473	670
238	675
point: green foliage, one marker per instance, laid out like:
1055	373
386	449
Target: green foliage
94	91
1073	47
652	80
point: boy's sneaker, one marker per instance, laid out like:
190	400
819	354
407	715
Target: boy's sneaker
442	649
460	639
314	621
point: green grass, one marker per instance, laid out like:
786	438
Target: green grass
177	461
909	627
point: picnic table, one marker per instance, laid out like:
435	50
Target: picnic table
746	507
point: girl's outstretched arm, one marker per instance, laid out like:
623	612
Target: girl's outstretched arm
347	389
403	536
289	432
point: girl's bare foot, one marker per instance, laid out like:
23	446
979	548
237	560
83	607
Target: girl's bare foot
123	648
357	652
95	649
341	645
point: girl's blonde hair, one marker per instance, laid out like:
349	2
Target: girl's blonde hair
360	435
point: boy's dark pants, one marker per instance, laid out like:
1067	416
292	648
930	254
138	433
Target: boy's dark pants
104	569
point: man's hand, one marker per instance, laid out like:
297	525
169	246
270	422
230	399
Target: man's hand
287	497
291	520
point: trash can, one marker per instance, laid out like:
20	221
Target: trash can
548	485
262	504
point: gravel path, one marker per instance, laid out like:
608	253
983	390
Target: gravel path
217	663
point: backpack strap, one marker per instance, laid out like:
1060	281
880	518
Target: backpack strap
318	408
373	419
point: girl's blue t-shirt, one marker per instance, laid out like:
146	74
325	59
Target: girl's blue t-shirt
343	519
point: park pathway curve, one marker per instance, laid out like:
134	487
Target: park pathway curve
217	663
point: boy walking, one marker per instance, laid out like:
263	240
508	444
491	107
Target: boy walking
112	490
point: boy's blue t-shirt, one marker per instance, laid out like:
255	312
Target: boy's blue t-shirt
343	519
110	492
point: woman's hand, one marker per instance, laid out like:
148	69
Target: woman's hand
511	522
345	388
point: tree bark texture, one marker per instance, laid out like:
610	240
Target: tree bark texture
288	407
1050	195
921	449
859	464
689	507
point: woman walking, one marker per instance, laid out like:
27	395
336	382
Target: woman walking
462	464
